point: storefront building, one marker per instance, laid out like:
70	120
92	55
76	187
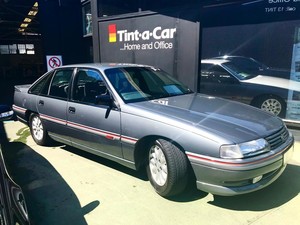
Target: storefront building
260	40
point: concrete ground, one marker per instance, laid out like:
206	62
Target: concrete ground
65	186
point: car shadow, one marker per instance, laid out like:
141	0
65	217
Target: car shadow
278	193
50	200
285	188
190	193
140	174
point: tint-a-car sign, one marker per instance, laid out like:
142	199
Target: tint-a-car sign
163	41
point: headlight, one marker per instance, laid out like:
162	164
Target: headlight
244	150
6	114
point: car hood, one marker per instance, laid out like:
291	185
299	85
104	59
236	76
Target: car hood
208	115
274	82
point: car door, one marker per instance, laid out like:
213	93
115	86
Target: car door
216	81
52	103
94	126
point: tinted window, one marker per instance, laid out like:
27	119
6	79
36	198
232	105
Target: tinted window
88	86
215	74
60	83
239	72
248	64
41	86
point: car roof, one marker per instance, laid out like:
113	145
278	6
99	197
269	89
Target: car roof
103	66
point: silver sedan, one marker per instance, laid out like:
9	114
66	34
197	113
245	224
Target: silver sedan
141	117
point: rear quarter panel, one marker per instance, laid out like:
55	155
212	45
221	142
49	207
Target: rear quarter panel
23	103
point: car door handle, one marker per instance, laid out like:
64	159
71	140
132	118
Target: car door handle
41	102
72	109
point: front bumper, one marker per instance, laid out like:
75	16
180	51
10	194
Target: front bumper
245	176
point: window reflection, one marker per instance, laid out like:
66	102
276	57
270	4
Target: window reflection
87	19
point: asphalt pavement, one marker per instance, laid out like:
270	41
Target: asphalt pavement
63	185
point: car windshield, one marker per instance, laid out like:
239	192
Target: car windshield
249	64
135	84
240	72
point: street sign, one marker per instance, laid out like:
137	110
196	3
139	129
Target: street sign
53	61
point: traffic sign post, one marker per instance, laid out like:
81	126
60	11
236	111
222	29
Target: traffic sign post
53	61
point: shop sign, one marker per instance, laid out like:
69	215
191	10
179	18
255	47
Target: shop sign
168	42
149	39
281	6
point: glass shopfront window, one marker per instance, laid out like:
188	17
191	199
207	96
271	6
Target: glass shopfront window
87	19
253	59
14	49
250	50
255	63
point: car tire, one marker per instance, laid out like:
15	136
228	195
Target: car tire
167	168
38	131
272	104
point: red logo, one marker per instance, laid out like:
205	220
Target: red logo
112	33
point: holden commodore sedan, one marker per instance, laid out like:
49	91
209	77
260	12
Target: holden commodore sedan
141	117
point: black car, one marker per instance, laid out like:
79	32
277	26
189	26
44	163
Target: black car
225	78
13	208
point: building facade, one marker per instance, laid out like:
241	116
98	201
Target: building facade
259	38
177	36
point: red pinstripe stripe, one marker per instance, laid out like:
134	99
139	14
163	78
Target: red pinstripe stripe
106	134
219	161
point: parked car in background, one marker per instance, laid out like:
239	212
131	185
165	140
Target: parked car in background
13	207
139	116
6	112
253	66
220	77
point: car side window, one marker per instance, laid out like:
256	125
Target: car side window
216	74
60	83
42	85
88	86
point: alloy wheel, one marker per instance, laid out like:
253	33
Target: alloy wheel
158	165
272	105
37	128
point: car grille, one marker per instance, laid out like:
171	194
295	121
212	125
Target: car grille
278	138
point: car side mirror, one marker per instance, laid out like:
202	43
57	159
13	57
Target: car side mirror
104	100
6	113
